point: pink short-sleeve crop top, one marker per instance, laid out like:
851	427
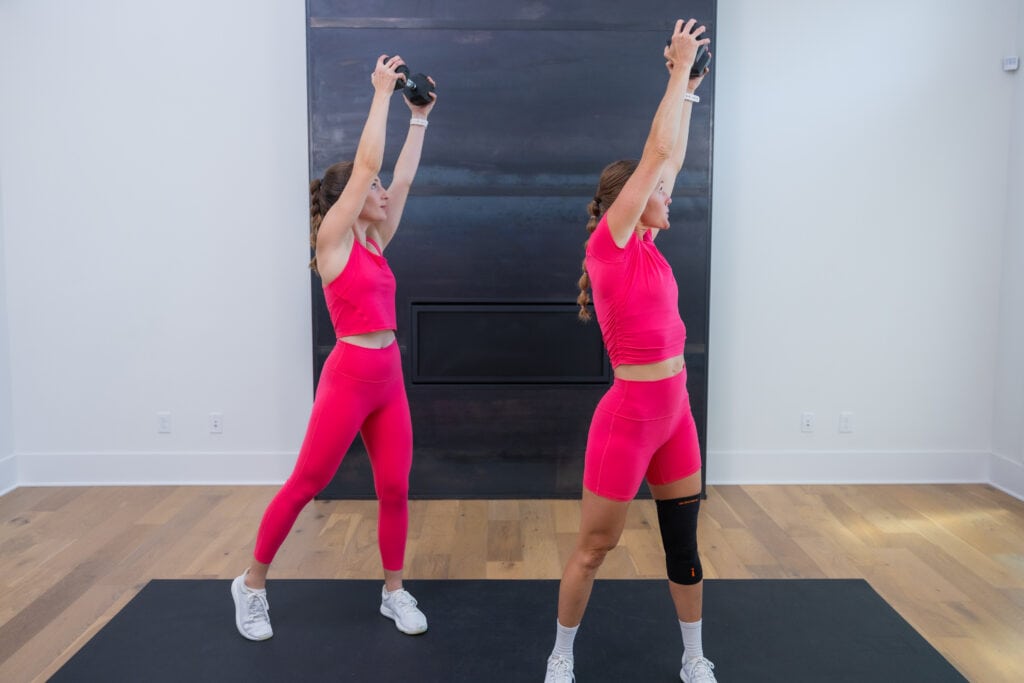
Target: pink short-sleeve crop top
362	298
636	298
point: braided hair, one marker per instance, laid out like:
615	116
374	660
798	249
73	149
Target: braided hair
322	195
613	178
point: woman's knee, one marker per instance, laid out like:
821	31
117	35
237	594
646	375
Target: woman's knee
392	490
591	552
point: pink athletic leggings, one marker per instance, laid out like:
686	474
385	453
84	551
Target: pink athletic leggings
641	430
360	390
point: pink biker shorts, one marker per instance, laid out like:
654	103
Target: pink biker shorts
641	430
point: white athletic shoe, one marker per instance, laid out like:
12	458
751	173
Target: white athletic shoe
401	606
559	670
252	611
697	670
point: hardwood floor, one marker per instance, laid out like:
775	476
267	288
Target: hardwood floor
949	558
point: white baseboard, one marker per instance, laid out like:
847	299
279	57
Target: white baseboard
724	467
845	467
141	469
1008	476
8	474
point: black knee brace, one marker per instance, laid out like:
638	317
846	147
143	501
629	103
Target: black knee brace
677	519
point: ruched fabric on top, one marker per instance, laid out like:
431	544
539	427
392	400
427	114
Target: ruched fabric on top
636	298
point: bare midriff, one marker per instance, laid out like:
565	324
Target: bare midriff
371	340
651	372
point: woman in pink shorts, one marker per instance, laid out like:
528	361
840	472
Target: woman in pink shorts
643	429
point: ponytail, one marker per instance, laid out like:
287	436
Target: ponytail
322	195
613	178
316	216
584	300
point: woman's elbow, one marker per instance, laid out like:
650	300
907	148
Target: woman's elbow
659	151
367	163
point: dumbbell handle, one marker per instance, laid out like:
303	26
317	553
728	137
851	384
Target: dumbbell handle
413	91
399	84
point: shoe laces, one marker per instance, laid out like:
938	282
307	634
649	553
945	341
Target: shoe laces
403	600
700	670
259	608
561	666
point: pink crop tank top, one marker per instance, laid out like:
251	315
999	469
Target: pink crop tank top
636	299
362	298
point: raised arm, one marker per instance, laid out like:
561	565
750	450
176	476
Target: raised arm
405	169
663	142
675	162
335	237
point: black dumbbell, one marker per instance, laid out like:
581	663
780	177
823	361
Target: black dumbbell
700	61
416	87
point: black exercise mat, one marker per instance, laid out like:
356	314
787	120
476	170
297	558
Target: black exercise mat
754	630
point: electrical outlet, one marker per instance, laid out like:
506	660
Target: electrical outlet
806	422
163	422
845	423
216	423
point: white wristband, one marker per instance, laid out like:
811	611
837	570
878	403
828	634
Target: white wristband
690	97
414	121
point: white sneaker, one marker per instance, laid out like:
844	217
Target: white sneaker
252	611
401	606
559	670
697	670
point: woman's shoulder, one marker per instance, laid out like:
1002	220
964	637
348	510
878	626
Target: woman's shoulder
602	245
332	263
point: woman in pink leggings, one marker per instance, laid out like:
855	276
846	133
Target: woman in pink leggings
643	428
352	220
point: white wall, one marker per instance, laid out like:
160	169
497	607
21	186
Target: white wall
8	469
154	177
1008	446
860	195
153	173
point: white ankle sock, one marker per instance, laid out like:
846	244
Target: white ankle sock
692	646
245	586
563	640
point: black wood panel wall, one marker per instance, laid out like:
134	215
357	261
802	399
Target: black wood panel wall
535	98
